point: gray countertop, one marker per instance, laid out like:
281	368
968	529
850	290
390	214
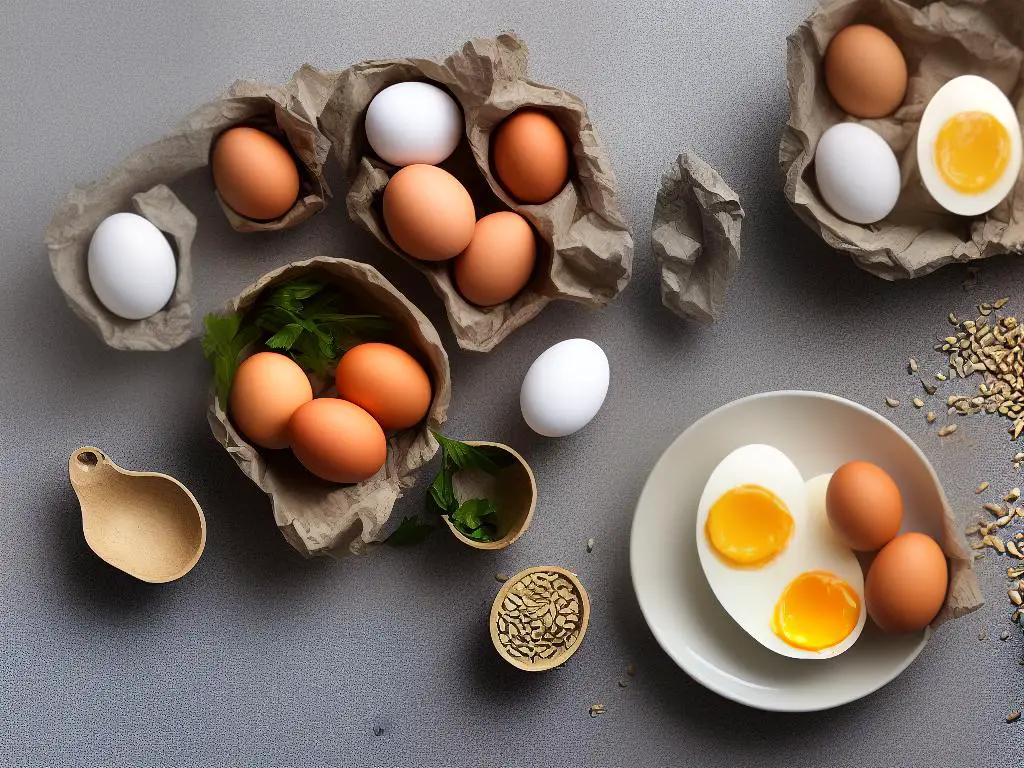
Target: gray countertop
260	657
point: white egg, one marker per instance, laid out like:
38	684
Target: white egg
131	266
749	594
565	388
963	185
413	122
857	173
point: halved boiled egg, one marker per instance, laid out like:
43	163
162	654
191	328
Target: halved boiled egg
772	560
969	146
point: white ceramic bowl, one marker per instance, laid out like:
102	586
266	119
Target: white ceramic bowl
818	432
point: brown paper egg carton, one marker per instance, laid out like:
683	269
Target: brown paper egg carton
318	517
586	250
945	40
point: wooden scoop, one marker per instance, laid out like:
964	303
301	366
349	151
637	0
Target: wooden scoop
144	523
513	490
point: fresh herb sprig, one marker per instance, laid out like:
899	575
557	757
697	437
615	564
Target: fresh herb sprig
474	518
302	319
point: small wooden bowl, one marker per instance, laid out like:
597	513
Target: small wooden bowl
539	618
513	489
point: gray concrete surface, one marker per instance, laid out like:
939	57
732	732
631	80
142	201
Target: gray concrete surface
261	658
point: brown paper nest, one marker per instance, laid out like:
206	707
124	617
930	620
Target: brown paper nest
587	252
696	238
315	516
289	111
940	40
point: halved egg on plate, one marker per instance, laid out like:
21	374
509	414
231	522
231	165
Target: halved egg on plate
969	146
771	558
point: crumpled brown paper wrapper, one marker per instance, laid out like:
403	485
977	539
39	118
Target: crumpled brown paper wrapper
67	240
964	593
315	516
587	250
940	41
695	238
290	111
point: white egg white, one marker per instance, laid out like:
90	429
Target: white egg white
968	93
749	595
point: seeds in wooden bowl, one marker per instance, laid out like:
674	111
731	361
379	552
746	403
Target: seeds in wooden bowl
539	617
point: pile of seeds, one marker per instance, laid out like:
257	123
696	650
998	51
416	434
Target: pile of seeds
540	617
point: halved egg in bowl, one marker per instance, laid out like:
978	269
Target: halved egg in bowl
772	560
969	146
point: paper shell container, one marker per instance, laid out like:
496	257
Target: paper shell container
288	111
940	40
585	251
68	238
315	516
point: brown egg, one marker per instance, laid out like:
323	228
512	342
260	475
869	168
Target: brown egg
865	71
531	157
268	388
337	440
254	174
864	505
499	260
907	583
428	213
387	382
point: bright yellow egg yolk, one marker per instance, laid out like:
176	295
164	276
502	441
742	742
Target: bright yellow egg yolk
817	610
749	525
972	151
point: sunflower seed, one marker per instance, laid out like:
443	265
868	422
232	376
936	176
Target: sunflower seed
947	430
590	545
970	530
1004	521
892	402
1013	550
931	389
1004	635
597	709
941	376
1015	597
982	487
1001	303
1012	495
930	417
1015	616
912	366
1013	716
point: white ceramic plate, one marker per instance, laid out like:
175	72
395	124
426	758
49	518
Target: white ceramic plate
818	432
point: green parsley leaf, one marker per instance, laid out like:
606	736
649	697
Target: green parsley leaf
286	337
464	456
470	514
223	344
410	532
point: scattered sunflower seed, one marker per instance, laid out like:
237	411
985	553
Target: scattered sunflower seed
1013	550
931	389
912	366
1018	458
996	509
1004	635
1004	521
982	487
953	319
502	577
1001	303
941	376
996	543
930	417
597	709
918	402
590	545
1013	716
1012	495
947	430
1014	573
892	402
1015	616
1015	597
